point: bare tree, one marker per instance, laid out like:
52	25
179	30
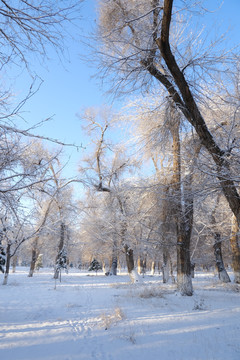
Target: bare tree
105	166
30	26
141	46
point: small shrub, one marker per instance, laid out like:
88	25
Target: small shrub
108	320
150	292
199	305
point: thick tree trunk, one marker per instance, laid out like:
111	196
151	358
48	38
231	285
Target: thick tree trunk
184	278
8	257
183	214
130	264
222	273
234	242
184	274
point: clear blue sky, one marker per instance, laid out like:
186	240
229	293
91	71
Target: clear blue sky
68	86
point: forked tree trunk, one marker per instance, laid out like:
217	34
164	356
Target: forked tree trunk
8	257
234	242
222	273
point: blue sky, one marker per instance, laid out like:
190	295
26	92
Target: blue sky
68	86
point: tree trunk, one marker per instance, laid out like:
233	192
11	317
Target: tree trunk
33	262
192	269
166	265
60	248
34	257
8	257
153	266
130	264
129	258
113	270
183	212
234	242
114	262
222	273
14	263
141	265
184	276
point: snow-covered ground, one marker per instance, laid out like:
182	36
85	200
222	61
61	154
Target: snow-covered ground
107	318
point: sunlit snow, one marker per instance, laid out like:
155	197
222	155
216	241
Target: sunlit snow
108	318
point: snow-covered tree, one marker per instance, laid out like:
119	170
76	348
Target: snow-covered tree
151	44
94	266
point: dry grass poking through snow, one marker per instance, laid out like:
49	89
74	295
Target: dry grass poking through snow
150	292
108	320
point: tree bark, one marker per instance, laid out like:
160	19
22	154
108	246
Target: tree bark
234	242
141	265
130	264
34	257
166	265
113	270
222	273
183	216
14	263
153	266
60	248
8	257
